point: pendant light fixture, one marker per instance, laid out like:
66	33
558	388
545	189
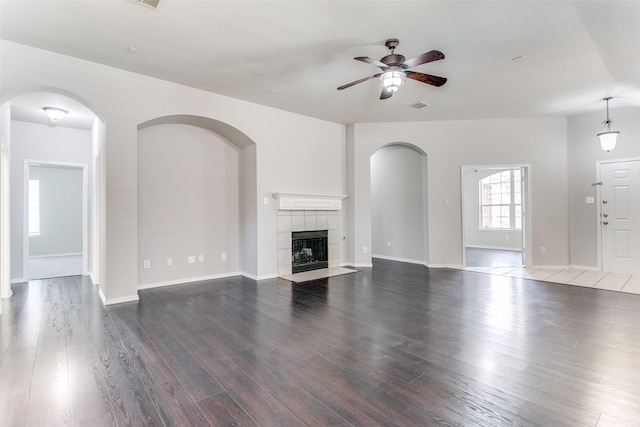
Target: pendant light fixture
608	137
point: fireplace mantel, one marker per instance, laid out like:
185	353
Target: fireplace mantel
317	202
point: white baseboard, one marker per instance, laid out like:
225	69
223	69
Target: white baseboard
410	261
54	255
420	262
361	265
262	277
499	248
120	300
19	280
187	280
452	266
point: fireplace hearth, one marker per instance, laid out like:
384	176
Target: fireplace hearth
309	250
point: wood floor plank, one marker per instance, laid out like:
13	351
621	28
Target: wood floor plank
263	408
222	410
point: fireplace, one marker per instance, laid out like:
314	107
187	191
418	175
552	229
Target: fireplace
309	250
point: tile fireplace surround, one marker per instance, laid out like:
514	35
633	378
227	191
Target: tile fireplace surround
293	216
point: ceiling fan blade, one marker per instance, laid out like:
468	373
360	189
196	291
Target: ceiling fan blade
370	61
364	79
434	55
426	78
386	94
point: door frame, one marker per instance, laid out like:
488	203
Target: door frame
527	250
598	186
25	210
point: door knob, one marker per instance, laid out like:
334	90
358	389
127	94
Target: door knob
605	222
604	201
605	215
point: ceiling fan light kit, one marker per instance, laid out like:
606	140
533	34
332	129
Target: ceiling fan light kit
608	137
392	80
395	69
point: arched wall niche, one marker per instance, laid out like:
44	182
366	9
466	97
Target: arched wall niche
203	170
399	219
230	133
55	144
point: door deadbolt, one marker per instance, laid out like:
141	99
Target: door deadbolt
605	222
604	202
605	215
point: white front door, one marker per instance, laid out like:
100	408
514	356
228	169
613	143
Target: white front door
620	216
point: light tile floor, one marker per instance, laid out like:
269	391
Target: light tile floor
55	266
318	274
620	282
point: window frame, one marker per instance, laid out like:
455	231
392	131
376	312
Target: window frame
514	193
33	219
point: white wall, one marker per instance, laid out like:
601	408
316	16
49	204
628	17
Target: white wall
584	152
475	236
5	201
188	204
288	147
540	142
61	210
398	189
46	143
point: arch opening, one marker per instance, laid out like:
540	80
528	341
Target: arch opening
399	208
29	138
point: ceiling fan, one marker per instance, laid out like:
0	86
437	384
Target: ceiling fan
395	69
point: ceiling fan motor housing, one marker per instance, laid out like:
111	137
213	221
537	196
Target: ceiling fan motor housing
393	59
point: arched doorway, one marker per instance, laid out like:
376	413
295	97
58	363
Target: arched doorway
399	204
23	119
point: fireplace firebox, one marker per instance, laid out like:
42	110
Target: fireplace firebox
309	250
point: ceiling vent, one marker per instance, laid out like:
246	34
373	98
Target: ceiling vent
418	105
148	3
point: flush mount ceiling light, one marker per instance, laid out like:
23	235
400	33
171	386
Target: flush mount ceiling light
608	137
55	114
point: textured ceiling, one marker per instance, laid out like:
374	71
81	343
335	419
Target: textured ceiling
503	58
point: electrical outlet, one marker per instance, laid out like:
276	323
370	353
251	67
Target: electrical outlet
146	264
169	261
223	256
389	244
543	249
201	258
191	259
365	250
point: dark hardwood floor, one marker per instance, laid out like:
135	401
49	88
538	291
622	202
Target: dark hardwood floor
395	345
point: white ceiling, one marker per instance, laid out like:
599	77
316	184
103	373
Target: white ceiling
292	55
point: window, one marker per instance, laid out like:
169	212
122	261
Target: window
501	201
34	207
